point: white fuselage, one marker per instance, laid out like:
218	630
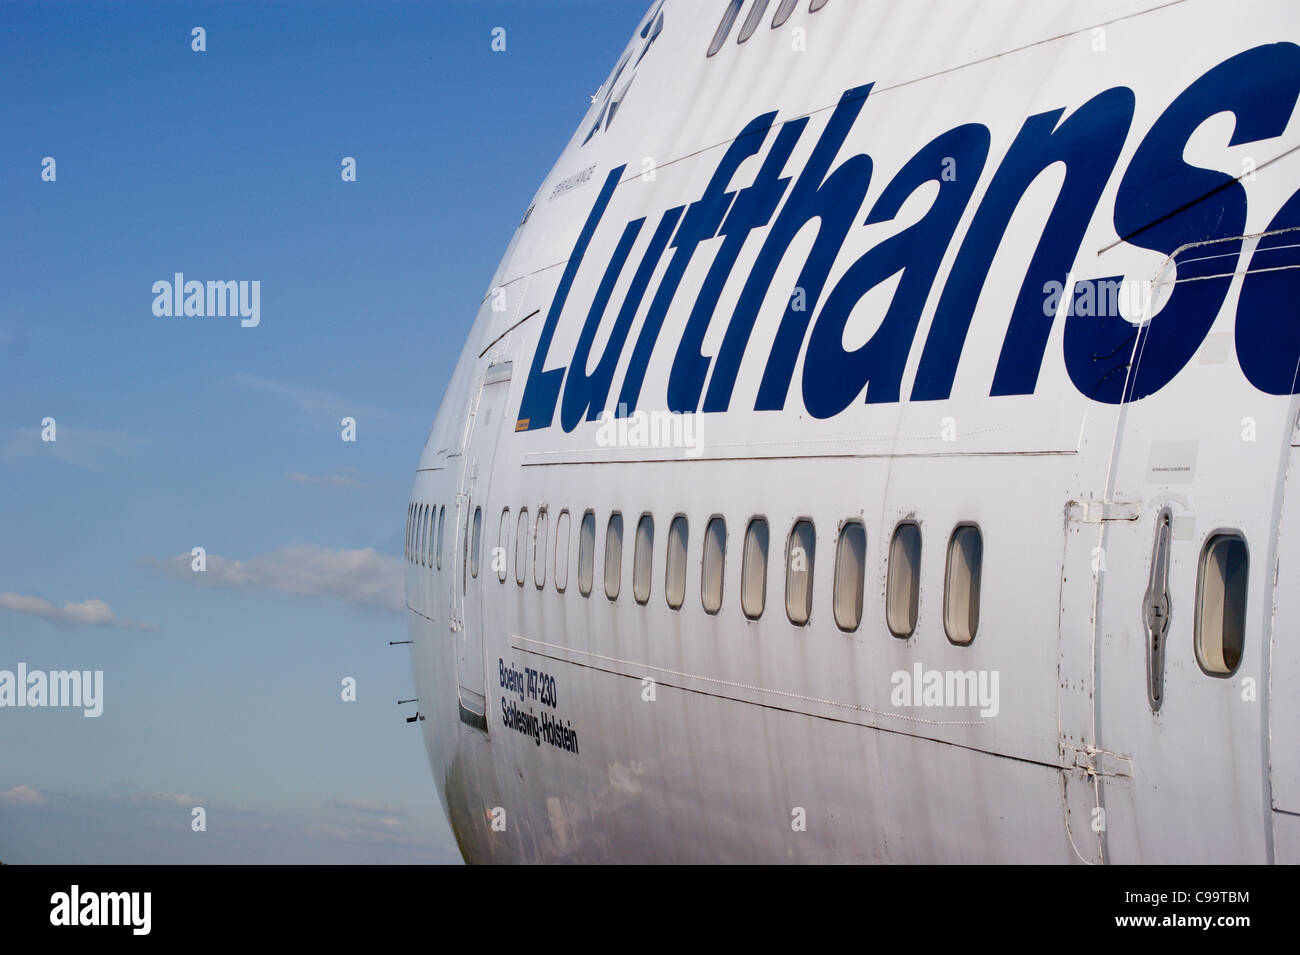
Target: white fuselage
1016	278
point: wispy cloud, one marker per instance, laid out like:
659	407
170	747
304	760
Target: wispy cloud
367	806
139	826
325	480
370	822
363	578
93	612
85	448
142	798
315	402
21	796
384	831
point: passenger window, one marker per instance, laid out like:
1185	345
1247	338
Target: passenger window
961	589
752	21
503	542
753	569
521	547
643	558
424	531
442	519
675	565
586	553
783	13
476	548
614	556
850	575
712	565
562	551
539	550
724	28
799	557
410	509
1221	604
903	591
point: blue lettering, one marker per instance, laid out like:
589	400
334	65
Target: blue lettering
701	222
832	377
835	201
586	394
1088	142
1163	204
752	209
1267	333
542	390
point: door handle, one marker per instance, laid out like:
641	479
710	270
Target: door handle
1157	609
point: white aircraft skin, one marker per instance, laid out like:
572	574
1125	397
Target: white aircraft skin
1098	465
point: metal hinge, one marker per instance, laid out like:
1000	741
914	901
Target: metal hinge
1096	512
1101	762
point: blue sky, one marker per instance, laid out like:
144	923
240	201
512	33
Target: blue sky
222	689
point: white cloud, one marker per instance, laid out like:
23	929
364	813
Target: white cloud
314	401
362	577
125	824
361	830
163	799
21	796
84	448
93	612
363	805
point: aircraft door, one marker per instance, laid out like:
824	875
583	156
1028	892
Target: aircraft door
482	430
1284	669
1182	612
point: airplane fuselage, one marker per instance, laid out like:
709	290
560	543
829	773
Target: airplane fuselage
877	444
